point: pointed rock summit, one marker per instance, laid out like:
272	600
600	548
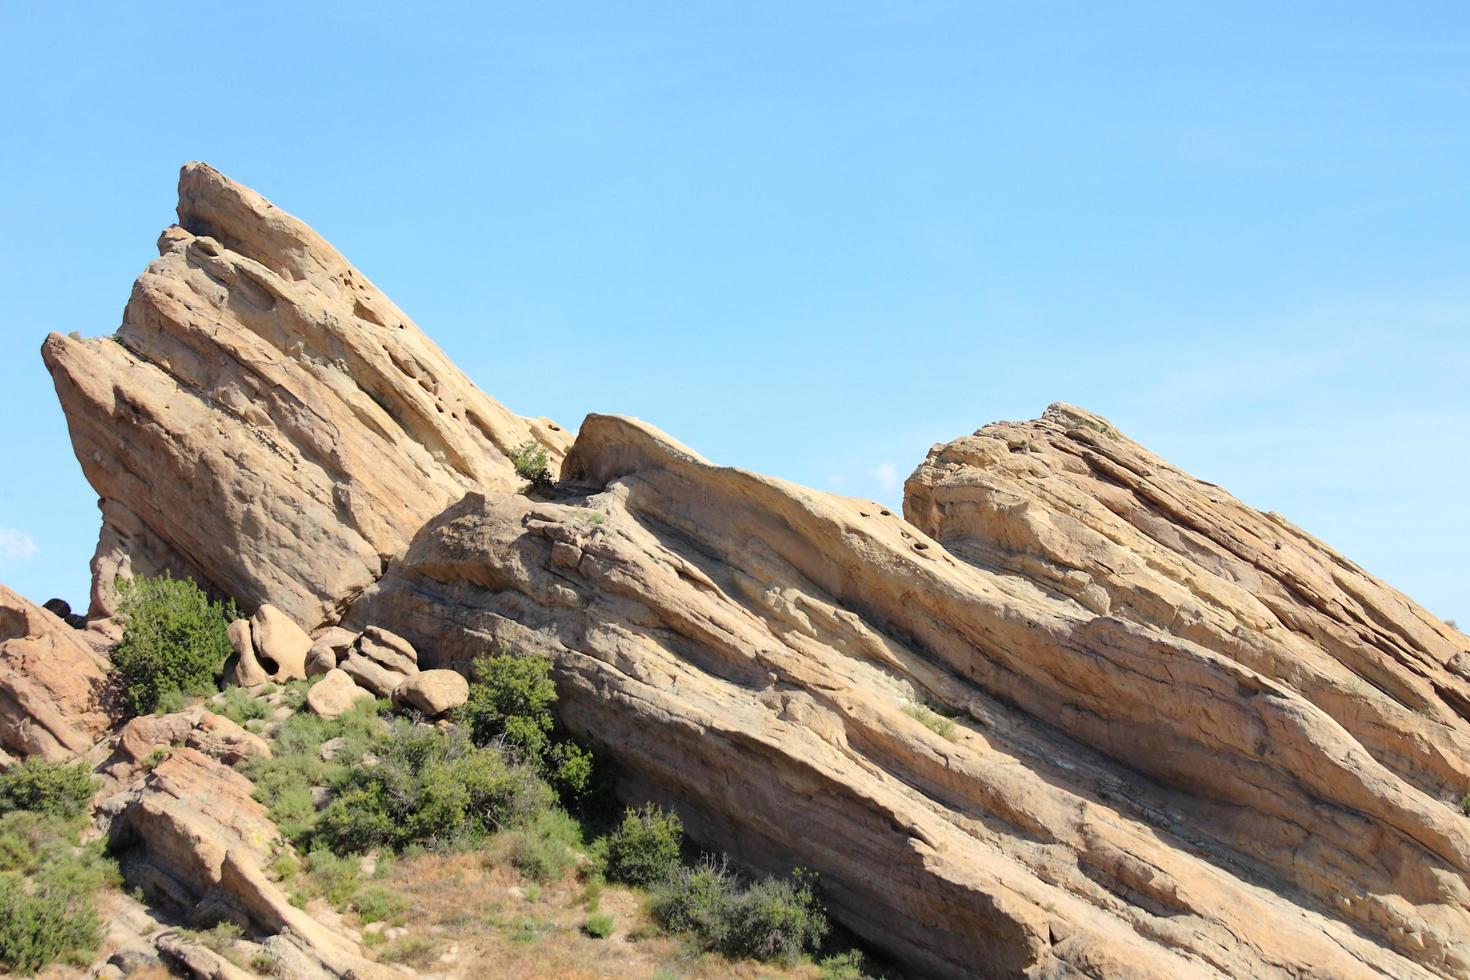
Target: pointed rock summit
265	419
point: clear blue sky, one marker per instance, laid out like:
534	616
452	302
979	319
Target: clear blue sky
811	239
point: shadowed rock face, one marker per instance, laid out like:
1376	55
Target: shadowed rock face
268	420
1079	714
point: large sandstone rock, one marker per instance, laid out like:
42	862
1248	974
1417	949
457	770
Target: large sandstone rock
1115	800
279	642
433	692
330	647
1183	739
53	683
335	694
265	419
1069	505
200	840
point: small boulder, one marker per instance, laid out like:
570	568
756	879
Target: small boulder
279	641
388	650
433	692
372	675
334	694
328	650
243	669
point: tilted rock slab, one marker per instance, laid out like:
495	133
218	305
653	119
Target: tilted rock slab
1162	762
1115	800
267	421
53	683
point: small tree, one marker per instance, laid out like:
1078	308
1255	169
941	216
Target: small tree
644	850
174	641
52	788
532	463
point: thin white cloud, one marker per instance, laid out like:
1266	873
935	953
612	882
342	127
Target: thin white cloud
886	474
16	545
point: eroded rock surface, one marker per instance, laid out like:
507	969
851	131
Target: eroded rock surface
53	683
1115	799
1083	716
265	419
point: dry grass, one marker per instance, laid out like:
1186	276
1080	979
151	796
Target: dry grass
492	922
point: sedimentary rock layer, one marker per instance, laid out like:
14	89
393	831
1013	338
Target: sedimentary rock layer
265	418
777	662
53	683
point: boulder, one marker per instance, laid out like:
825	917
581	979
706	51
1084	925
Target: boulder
328	649
388	650
243	668
202	840
433	692
204	731
279	642
53	683
370	674
265	419
335	693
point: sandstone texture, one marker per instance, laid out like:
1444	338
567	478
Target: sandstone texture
267	421
53	683
335	694
433	692
1074	713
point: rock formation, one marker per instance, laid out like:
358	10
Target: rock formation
53	683
265	419
1079	714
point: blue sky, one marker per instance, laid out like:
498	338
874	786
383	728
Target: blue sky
811	239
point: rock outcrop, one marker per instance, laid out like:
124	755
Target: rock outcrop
265	419
1079	714
53	683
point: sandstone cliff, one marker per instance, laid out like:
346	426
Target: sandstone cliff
265	419
1078	714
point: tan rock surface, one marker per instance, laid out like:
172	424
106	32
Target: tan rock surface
1115	800
335	694
388	650
279	642
433	692
266	418
53	683
329	648
203	840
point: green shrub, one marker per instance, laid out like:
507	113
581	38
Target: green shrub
511	699
238	705
53	788
174	642
645	847
430	788
377	904
773	919
532	463
776	919
415	951
40	923
46	883
546	848
334	877
599	925
938	724
847	965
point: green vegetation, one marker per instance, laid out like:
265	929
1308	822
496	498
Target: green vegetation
599	925
174	643
47	878
532	463
50	788
239	706
644	850
938	724
511	703
772	919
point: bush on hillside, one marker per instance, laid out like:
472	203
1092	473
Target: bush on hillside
510	701
773	919
45	787
430	788
645	848
174	642
47	877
